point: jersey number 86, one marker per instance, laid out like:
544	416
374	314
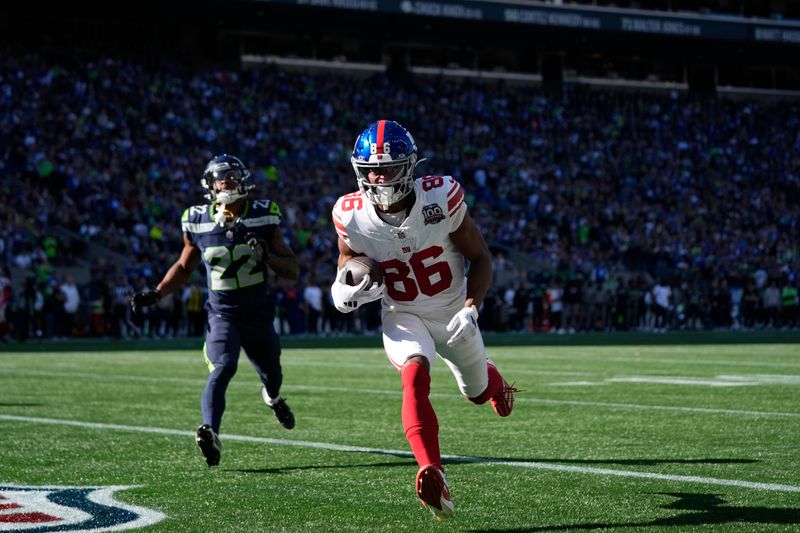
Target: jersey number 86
431	279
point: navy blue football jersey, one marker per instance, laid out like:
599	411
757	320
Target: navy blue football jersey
236	281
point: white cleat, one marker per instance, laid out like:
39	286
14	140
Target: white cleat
434	493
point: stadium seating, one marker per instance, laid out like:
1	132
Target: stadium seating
596	189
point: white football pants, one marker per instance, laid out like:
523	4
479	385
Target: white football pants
406	335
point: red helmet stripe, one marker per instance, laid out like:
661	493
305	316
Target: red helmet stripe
379	139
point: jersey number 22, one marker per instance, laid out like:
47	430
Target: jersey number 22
232	268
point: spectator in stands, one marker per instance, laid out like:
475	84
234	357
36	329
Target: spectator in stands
72	299
193	296
312	298
721	304
574	304
555	304
789	304
599	302
771	302
5	304
662	305
122	324
750	305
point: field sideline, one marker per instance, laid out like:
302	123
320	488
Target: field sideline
631	432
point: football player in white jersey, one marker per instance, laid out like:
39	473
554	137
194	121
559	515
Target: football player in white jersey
420	232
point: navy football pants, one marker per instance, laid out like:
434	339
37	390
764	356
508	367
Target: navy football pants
225	335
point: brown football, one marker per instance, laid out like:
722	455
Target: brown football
358	267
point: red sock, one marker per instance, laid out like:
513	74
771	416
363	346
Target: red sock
419	419
495	386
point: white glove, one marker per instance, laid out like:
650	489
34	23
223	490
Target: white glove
465	325
347	298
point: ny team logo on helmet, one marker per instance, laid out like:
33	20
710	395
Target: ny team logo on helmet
386	148
223	168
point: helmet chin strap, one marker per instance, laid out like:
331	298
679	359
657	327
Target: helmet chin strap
383	200
222	215
228	197
385	196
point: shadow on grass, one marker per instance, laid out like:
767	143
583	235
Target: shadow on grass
478	460
698	510
12	404
629	462
322	467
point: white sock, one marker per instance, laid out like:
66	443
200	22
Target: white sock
273	401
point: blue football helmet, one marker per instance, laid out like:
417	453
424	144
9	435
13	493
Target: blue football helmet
388	149
226	168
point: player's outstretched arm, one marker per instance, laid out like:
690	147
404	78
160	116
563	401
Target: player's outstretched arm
175	277
180	271
281	258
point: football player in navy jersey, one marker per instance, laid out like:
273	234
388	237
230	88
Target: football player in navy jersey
237	238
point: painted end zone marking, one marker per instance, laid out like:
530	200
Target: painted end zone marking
71	508
774	487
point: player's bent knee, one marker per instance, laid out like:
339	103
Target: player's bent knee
420	360
416	379
222	373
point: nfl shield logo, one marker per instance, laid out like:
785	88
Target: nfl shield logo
44	509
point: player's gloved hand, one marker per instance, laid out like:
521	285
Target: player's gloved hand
346	297
258	246
464	324
144	298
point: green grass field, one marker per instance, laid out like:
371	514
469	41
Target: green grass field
637	437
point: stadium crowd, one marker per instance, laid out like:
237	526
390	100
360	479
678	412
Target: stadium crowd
604	209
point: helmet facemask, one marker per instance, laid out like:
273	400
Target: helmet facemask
219	195
223	192
220	173
399	180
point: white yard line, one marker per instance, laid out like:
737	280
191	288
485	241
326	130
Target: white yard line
773	487
521	398
599	358
676	409
681	380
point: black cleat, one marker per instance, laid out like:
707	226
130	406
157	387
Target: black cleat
283	414
209	444
282	411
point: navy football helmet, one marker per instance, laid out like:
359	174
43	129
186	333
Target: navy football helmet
226	168
386	148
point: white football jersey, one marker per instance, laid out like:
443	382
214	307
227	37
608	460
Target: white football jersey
423	269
